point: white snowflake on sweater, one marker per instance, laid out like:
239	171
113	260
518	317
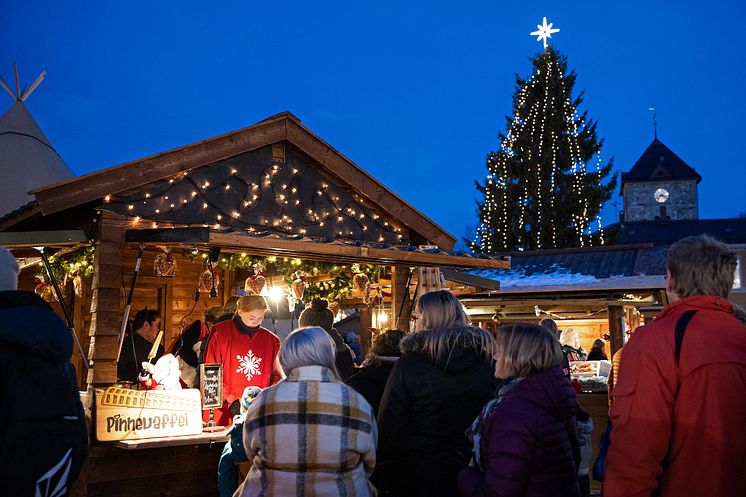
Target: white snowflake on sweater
249	365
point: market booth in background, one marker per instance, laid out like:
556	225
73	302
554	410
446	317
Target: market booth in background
269	209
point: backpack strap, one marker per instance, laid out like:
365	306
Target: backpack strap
681	325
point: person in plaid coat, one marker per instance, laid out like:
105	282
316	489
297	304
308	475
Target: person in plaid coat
310	434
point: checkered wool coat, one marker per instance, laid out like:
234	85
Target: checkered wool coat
309	435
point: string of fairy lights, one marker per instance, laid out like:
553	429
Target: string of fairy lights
250	194
530	121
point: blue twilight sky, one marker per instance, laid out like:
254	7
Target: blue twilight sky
413	92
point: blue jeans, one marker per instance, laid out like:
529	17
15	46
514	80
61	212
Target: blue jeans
233	454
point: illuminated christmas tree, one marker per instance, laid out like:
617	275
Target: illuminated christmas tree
545	185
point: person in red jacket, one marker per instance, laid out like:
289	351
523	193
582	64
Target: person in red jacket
247	351
678	422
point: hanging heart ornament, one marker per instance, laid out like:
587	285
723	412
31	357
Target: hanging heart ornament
298	286
205	281
334	307
359	281
255	284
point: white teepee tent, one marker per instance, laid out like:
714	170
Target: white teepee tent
27	159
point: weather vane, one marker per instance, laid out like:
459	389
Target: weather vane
544	32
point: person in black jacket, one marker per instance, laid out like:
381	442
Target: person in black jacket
137	345
598	352
43	430
319	314
370	380
433	394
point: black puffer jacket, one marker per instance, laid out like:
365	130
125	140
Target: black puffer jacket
370	381
426	408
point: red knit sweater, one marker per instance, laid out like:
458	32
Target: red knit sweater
247	359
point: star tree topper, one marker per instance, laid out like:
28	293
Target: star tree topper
544	31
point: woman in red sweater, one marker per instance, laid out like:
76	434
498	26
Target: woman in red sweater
247	351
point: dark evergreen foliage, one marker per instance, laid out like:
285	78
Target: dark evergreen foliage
544	189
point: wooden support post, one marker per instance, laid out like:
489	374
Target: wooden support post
106	299
366	322
400	298
428	280
616	327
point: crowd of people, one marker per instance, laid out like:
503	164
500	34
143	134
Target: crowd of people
451	409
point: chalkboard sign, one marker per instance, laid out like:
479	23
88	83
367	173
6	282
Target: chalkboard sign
211	385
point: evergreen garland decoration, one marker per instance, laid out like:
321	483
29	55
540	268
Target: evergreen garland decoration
78	262
339	286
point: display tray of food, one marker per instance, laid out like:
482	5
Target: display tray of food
584	369
593	384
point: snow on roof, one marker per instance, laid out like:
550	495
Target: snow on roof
517	277
561	279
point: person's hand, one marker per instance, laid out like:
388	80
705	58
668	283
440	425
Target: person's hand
146	372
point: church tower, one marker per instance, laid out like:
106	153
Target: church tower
660	186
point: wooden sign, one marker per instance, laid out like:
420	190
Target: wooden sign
126	414
211	385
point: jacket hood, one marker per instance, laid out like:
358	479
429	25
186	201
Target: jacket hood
549	390
452	349
705	303
29	323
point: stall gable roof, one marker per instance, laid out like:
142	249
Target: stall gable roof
276	129
272	189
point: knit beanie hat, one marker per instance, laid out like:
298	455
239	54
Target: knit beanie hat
8	271
318	314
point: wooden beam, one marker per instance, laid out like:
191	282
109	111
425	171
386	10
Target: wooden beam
176	235
346	171
616	327
400	297
342	252
59	238
559	302
96	185
19	215
470	279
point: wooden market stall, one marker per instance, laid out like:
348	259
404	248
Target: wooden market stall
208	216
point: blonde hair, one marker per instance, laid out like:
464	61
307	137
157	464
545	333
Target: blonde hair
310	346
701	265
524	349
440	310
249	303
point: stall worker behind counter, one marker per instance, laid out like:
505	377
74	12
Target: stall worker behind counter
247	351
138	343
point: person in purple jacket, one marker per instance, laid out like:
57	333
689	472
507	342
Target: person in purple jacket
525	442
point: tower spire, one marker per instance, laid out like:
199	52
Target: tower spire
655	121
